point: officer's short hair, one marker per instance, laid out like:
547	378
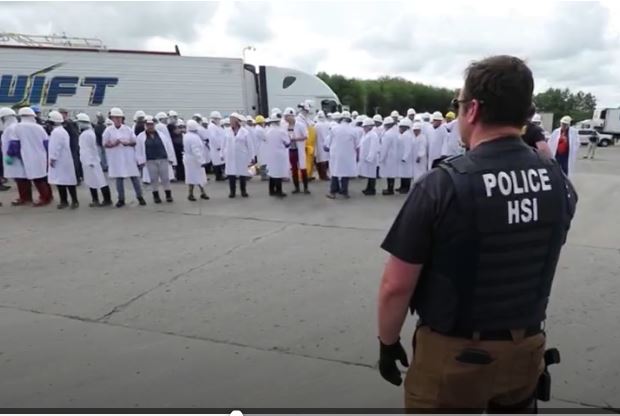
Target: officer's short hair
504	86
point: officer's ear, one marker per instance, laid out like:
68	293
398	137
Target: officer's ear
473	111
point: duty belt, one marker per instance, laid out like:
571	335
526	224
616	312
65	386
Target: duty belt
494	335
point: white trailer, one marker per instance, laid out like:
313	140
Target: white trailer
94	80
611	122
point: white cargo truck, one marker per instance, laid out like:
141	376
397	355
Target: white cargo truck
608	122
95	79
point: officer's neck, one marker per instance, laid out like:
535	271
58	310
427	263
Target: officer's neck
483	134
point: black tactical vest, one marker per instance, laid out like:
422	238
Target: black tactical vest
496	271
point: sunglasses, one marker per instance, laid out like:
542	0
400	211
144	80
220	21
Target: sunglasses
456	102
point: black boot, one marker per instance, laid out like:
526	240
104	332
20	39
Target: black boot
107	197
156	197
169	196
242	183
390	188
120	203
141	201
272	187
94	195
296	182
304	178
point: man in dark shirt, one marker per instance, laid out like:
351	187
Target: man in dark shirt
534	135
99	129
74	141
473	252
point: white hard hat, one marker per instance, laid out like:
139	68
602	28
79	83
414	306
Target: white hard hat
426	116
394	114
321	114
55	117
215	115
417	118
161	115
405	122
276	110
368	122
139	114
537	118
238	117
388	120
288	111
116	112
250	120
346	114
83	117
566	120
26	112
355	114
197	115
417	126
6	112
108	122
411	111
192	125
226	121
181	122
437	116
377	118
172	113
149	120
304	106
336	116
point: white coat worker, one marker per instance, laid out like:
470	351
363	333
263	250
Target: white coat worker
120	144
395	116
238	151
249	125
276	155
537	121
405	155
453	145
91	163
321	156
336	117
427	129
420	146
368	164
161	126
564	145
138	122
379	129
194	160
342	145
411	115
260	131
297	151
389	158
61	170
13	166
156	156
29	144
216	144
436	143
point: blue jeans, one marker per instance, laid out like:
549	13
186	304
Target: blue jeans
563	162
339	186
120	187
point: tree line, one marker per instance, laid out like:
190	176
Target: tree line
381	96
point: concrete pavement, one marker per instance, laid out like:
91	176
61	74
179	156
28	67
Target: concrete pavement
255	303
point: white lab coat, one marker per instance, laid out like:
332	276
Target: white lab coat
276	152
405	154
452	144
194	157
217	136
32	138
301	131
16	169
573	147
261	138
204	136
91	161
238	152
389	159
436	144
370	148
420	144
253	140
141	149
122	161
322	135
379	130
63	170
343	144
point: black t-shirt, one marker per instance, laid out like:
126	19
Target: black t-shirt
533	134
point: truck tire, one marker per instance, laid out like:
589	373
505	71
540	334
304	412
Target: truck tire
604	143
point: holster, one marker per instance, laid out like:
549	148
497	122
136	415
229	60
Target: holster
543	389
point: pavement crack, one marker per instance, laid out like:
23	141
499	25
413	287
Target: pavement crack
118	308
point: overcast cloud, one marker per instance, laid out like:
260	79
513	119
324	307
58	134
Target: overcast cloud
567	44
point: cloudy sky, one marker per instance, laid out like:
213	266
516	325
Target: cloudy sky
567	44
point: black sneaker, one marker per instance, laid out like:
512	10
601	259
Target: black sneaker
191	198
306	191
231	196
205	197
141	201
62	205
387	192
75	205
120	203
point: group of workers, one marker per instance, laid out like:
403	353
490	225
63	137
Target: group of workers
290	144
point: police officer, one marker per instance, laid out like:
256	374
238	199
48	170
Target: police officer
473	252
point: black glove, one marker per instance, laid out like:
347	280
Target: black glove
388	355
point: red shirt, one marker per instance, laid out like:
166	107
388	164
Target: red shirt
563	143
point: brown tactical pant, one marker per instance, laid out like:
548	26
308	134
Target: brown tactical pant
438	379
